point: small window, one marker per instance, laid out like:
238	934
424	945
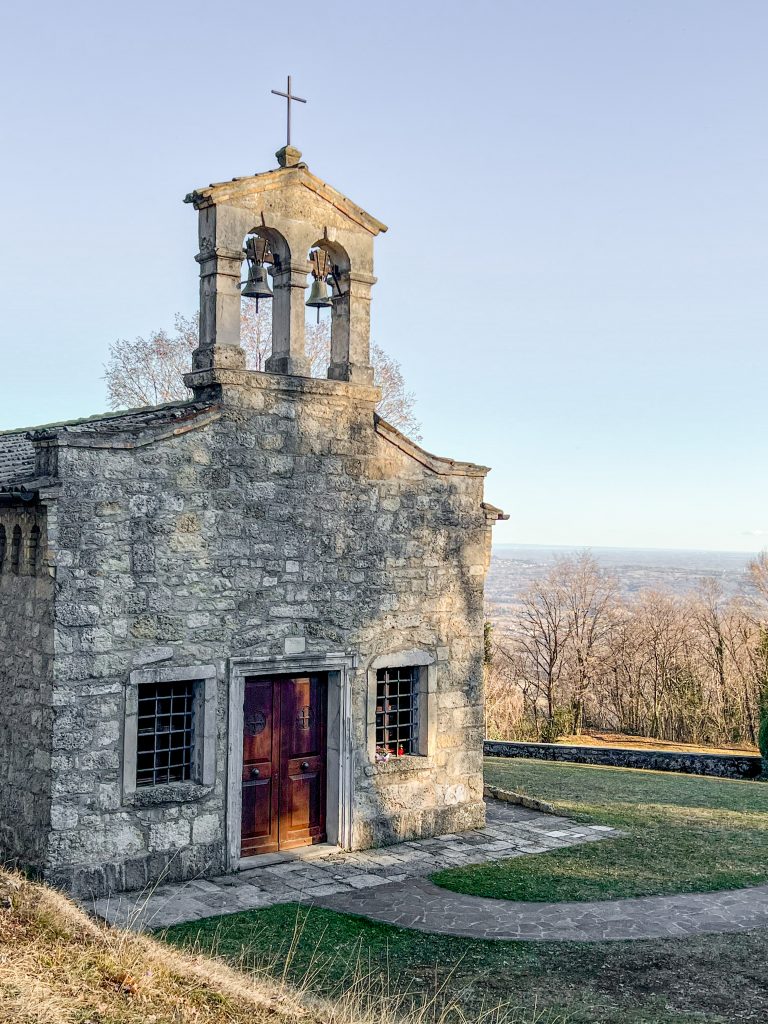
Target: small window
165	733
16	550
33	550
3	544
396	711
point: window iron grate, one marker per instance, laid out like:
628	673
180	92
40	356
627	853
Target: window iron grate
165	733
396	711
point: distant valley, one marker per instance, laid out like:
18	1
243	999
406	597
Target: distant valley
514	567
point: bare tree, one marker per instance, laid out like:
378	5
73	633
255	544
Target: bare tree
542	635
589	594
692	669
148	371
758	573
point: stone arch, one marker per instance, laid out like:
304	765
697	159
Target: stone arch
288	282
338	282
16	550
278	255
278	243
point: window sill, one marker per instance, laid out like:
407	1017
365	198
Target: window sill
169	793
400	765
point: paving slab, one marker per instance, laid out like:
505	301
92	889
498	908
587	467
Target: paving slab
326	871
419	904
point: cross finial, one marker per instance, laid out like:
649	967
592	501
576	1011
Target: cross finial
289	98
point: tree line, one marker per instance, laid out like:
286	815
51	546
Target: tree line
578	655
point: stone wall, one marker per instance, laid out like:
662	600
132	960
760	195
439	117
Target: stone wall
279	517
26	649
736	766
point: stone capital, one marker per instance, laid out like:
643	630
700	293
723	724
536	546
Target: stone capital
291	275
220	253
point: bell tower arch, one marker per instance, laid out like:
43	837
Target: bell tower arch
297	213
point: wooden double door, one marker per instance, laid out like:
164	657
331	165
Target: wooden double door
284	763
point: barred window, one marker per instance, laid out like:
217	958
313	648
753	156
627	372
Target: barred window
396	711
165	733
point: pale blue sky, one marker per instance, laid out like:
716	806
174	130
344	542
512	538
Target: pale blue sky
574	278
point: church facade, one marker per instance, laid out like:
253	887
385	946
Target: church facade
249	621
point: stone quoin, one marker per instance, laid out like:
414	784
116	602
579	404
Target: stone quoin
247	621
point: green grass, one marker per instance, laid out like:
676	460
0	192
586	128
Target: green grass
684	834
706	980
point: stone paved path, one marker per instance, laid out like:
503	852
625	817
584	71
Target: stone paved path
390	885
316	873
418	903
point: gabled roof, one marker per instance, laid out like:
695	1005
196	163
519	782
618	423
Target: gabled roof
281	177
17	453
17	458
436	463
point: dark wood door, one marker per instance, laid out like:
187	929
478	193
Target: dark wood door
261	759
284	764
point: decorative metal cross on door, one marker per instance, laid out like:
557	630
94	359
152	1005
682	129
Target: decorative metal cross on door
289	98
305	718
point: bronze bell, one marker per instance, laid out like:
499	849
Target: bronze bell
319	296
257	285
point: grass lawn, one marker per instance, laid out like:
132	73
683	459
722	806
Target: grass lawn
687	833
684	834
706	980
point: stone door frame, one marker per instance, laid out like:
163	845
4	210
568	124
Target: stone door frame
338	669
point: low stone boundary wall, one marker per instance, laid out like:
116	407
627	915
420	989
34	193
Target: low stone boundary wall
508	797
726	766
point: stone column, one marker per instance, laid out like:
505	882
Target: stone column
351	330
288	312
219	344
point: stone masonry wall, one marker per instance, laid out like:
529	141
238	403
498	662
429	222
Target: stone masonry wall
736	766
26	649
287	517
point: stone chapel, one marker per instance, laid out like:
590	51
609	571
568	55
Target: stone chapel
251	620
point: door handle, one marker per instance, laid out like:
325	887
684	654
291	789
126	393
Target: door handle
255	773
304	765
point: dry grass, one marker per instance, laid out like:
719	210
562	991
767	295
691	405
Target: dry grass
58	966
602	738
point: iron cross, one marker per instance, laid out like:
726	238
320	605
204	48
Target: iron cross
289	97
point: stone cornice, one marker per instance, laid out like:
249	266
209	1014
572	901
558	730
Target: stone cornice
493	514
261	380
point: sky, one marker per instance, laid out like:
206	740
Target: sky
574	276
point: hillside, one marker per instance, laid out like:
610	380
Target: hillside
57	966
